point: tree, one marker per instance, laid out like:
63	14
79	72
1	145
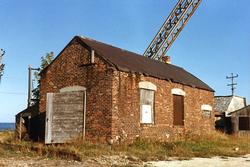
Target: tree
45	61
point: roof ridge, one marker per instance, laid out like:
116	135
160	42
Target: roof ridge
124	50
230	96
84	37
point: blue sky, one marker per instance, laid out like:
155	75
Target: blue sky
214	43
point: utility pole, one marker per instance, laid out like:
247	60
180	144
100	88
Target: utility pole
30	84
2	53
233	84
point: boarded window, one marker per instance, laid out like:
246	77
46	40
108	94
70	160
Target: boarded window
206	113
244	123
147	105
178	109
206	110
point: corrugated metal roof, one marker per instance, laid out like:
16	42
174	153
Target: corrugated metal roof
229	104
128	61
221	103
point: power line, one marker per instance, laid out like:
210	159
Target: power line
13	93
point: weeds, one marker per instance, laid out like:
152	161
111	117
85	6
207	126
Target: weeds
215	144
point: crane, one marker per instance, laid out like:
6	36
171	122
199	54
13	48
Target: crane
2	52
171	28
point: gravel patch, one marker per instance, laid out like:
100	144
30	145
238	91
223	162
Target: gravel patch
243	161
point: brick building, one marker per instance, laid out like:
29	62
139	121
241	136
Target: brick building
104	93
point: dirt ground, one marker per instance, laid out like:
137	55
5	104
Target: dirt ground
106	161
103	161
37	162
243	161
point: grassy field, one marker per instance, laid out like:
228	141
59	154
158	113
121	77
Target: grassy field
216	144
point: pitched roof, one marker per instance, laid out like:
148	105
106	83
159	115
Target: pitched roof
228	103
29	111
222	103
128	61
244	109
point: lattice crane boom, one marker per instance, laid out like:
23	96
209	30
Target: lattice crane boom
171	28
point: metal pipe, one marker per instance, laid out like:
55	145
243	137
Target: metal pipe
84	114
92	56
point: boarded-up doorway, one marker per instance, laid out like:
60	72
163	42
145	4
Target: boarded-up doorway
64	116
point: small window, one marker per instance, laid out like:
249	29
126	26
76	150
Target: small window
206	110
147	106
206	113
178	109
244	123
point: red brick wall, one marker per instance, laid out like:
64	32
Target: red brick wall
113	103
126	109
66	71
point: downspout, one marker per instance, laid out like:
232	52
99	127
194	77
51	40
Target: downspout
92	59
84	114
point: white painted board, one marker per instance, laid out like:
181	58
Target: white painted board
146	114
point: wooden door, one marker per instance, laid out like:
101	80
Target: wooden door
64	116
178	106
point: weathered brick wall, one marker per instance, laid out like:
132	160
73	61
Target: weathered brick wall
126	109
113	104
66	71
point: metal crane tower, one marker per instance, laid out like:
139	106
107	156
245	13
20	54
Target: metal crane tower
171	28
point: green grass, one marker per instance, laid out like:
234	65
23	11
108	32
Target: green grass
216	144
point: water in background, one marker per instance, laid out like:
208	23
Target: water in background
7	126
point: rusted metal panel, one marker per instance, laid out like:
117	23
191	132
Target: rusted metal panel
178	109
64	117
